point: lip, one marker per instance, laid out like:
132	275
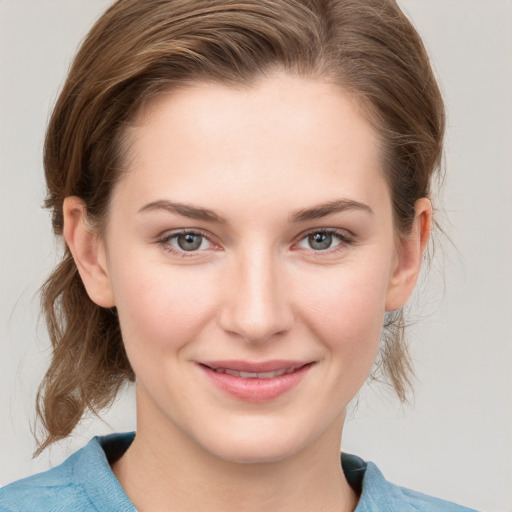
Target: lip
255	389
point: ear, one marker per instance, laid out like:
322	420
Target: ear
88	250
410	256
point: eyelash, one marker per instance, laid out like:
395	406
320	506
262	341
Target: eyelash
344	238
164	242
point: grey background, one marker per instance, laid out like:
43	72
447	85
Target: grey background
455	440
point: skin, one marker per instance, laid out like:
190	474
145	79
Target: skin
255	290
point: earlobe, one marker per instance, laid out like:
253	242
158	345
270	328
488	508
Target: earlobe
410	256
88	251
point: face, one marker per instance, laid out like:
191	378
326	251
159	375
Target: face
251	255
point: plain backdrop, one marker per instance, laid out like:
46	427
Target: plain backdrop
455	439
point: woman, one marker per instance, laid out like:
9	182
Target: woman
243	189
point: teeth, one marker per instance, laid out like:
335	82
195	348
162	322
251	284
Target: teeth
248	375
270	375
254	375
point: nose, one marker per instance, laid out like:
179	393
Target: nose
256	305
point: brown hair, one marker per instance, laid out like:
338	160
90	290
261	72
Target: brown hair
139	49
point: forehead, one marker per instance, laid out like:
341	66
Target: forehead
284	132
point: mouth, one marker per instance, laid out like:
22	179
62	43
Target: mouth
256	375
255	382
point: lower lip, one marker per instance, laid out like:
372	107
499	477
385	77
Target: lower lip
256	390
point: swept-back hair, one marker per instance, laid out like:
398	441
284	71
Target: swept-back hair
140	49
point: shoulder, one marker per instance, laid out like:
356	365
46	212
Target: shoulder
424	503
379	495
56	489
83	482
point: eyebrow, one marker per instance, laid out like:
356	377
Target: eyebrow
302	215
329	208
185	210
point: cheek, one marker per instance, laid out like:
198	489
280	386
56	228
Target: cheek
347	310
161	307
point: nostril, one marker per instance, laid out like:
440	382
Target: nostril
256	304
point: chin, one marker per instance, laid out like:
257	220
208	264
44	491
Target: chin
263	444
242	453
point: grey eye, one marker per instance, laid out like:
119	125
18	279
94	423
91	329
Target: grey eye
189	241
320	241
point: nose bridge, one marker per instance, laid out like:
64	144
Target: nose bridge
256	304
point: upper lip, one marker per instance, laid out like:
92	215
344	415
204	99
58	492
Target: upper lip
253	366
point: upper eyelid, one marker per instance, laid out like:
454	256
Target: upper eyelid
346	241
168	235
342	233
302	234
164	242
183	231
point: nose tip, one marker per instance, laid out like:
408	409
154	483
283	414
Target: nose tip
256	305
255	330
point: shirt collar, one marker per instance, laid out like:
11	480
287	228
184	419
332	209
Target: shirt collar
376	494
92	465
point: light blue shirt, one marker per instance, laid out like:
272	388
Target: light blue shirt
85	483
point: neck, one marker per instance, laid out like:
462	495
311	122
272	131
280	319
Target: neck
166	470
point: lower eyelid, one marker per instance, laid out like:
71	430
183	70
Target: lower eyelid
343	238
165	241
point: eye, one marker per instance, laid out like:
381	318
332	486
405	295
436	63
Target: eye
323	240
185	241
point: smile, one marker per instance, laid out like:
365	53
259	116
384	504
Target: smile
255	382
254	375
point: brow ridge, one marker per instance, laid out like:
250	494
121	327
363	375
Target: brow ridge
302	215
329	208
185	210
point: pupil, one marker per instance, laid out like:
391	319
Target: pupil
320	241
189	241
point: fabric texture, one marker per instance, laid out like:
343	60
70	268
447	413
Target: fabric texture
84	482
